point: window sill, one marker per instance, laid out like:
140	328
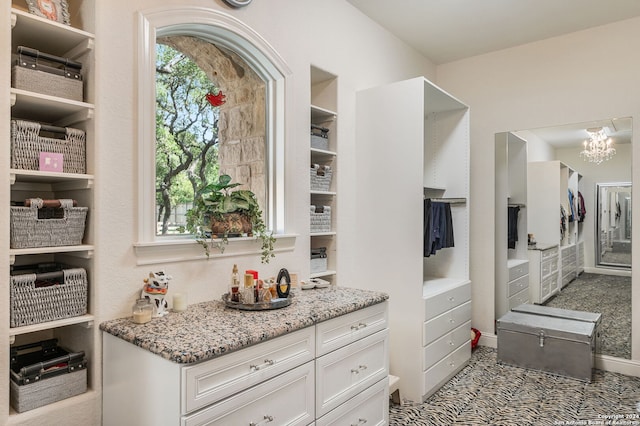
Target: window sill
183	250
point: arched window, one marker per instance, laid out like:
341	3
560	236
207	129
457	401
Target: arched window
213	42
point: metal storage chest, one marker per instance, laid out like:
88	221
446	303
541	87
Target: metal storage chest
550	311
555	345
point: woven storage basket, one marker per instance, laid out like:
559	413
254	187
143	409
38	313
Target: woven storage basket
27	144
27	230
320	218
41	72
320	177
61	298
319	137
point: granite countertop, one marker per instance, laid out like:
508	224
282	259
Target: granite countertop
210	329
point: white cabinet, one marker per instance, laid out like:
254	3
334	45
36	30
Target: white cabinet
323	116
544	271
446	332
76	333
510	240
569	264
334	370
412	143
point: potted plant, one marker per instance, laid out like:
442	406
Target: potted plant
219	213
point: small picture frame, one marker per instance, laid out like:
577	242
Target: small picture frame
54	10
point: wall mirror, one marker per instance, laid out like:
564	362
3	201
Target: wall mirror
613	228
600	283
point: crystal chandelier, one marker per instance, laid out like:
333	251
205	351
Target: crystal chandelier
598	147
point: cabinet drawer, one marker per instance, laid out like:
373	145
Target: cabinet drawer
518	270
370	407
343	373
519	299
283	400
343	330
442	302
437	327
443	346
518	285
210	381
546	254
434	376
548	267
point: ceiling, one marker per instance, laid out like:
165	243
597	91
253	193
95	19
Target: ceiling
449	30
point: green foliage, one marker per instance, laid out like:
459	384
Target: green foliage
216	199
186	131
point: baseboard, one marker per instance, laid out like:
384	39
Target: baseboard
618	365
608	271
488	339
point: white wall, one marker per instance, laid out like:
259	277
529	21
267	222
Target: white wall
329	34
541	84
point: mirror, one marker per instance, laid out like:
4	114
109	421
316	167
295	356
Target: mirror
613	228
589	278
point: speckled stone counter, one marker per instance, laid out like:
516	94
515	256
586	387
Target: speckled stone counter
209	329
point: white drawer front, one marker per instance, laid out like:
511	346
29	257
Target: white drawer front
443	346
442	302
210	381
343	373
552	252
442	370
437	327
518	285
370	407
287	399
518	270
343	330
519	299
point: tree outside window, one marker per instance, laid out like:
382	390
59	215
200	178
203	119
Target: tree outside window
186	136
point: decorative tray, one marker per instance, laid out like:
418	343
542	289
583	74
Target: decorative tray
278	303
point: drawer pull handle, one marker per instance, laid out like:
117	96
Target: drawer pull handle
452	299
266	419
451	343
355	370
358	327
267	362
360	422
452	320
362	367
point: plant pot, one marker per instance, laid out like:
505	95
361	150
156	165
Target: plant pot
231	225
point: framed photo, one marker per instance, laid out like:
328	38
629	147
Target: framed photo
54	10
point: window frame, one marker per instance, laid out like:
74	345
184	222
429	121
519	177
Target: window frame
226	31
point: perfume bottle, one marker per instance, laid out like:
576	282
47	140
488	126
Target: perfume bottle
234	286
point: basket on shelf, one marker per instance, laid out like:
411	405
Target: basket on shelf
319	137
36	225
52	75
320	177
43	373
37	296
29	139
320	218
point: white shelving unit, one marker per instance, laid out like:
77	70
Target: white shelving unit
323	113
549	183
413	142
511	269
76	333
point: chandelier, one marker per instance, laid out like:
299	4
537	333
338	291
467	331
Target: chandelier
598	147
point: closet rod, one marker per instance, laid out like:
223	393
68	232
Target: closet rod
517	205
449	200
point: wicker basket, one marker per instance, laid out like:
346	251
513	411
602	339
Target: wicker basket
320	218
63	295
320	177
28	228
319	137
27	143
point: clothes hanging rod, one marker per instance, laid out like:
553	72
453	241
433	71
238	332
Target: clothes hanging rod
517	205
449	200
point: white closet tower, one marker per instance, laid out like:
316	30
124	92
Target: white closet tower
512	269
412	143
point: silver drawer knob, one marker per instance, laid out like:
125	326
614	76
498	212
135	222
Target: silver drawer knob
266	419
